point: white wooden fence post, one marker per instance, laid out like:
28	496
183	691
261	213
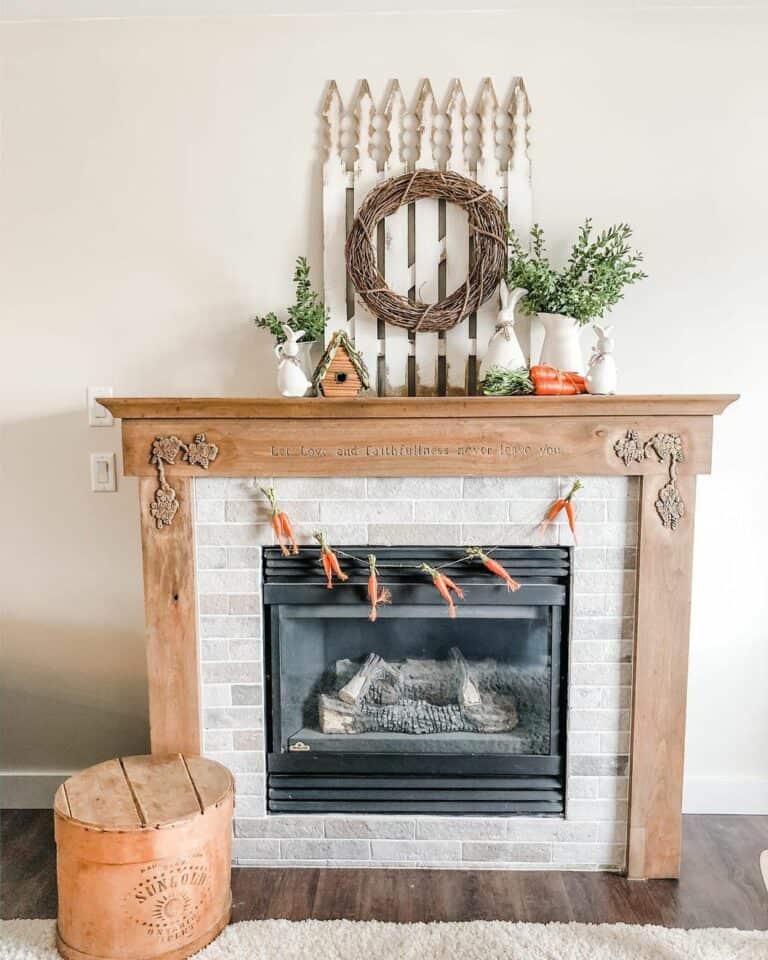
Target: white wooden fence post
364	325
519	193
456	245
334	216
396	271
427	245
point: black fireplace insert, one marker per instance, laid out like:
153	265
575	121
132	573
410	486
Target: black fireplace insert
417	712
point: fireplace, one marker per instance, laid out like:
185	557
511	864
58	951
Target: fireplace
417	712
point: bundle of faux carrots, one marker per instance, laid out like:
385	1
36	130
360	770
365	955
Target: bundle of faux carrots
444	586
331	565
494	566
281	524
551	382
563	504
376	595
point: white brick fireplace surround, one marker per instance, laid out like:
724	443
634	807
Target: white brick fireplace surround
232	525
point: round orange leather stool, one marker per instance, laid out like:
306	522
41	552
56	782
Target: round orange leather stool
143	853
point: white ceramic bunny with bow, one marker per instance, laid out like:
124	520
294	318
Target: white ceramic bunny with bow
291	379
503	347
601	376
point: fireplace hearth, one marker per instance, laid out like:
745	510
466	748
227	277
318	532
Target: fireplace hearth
417	713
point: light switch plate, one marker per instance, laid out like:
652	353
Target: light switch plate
98	416
103	475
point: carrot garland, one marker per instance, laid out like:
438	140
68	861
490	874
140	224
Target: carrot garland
494	566
563	504
375	595
281	524
330	561
551	382
444	586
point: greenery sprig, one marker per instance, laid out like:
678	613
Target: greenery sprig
499	382
309	313
591	282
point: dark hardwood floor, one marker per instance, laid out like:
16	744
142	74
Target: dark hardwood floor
720	886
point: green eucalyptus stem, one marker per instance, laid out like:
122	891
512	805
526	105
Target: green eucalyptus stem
592	281
309	313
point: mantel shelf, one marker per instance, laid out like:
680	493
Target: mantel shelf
364	408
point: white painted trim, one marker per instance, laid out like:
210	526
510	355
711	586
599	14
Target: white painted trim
725	795
33	790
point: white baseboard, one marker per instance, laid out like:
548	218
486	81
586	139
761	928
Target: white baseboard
19	791
725	795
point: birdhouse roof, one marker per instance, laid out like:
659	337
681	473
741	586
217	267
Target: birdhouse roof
340	339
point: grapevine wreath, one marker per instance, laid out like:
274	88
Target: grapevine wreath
487	226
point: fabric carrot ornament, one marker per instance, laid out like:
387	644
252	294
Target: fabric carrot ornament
444	586
330	561
375	595
564	504
551	382
494	566
280	524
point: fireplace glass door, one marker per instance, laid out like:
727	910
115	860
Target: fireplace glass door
417	707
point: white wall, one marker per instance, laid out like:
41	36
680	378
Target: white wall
159	178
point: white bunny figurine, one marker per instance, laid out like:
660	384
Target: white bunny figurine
601	376
291	379
503	348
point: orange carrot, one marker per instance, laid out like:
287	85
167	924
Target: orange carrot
571	518
375	595
553	511
494	566
277	526
564	503
551	382
330	561
452	586
569	511
287	529
280	523
444	586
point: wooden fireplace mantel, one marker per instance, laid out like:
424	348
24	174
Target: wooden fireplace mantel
664	439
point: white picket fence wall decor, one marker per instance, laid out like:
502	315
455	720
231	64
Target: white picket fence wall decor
423	250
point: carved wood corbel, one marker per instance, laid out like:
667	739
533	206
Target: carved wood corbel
165	450
666	446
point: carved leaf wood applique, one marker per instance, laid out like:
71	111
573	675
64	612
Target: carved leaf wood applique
666	446
165	450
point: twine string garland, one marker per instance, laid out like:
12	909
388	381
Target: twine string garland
487	225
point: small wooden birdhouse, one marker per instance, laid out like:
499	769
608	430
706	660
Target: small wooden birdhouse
341	372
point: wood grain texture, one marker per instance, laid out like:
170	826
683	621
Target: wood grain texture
429	447
170	606
159	888
714	848
660	680
667	405
162	787
99	795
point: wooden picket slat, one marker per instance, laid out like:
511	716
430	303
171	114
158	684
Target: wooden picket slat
423	249
364	325
456	245
428	247
489	176
334	216
396	271
519	193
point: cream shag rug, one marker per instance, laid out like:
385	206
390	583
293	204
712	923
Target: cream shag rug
478	940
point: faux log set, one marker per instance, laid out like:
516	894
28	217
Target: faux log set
417	697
